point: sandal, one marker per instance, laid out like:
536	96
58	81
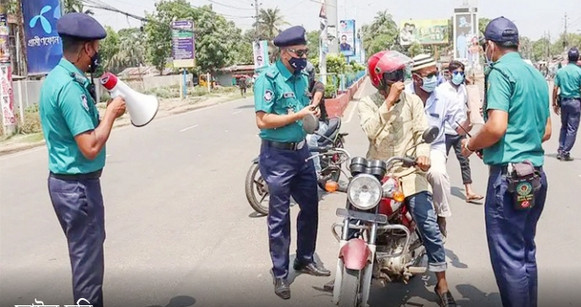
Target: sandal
446	298
473	198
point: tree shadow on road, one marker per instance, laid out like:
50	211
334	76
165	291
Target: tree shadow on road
179	301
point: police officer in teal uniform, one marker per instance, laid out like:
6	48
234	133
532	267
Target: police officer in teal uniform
75	139
567	103
281	103
517	122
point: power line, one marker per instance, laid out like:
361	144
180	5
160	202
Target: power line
230	6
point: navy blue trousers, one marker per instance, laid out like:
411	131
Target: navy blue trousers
286	173
570	114
511	241
78	205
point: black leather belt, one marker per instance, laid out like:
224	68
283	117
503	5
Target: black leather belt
91	175
285	145
504	168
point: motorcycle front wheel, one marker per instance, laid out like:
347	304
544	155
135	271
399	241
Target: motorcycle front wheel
349	296
256	190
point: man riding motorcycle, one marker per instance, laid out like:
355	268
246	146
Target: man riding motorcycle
394	121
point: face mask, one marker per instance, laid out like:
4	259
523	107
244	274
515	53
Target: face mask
430	84
458	79
95	62
298	63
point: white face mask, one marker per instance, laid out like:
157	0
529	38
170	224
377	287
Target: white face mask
429	84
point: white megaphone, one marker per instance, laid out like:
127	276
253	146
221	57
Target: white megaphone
142	108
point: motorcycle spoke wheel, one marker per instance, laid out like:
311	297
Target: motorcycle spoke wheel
256	190
350	294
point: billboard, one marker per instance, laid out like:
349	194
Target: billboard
183	43
43	44
260	50
465	33
347	37
424	31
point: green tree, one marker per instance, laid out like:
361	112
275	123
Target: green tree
108	48
381	34
131	52
75	6
482	23
540	49
414	49
313	44
559	47
269	23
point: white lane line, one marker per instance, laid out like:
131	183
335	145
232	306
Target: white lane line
237	112
188	128
352	112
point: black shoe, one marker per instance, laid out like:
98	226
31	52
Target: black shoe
281	288
329	286
445	299
311	269
559	156
567	158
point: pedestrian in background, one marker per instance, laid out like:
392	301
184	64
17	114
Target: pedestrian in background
454	93
75	139
517	122
567	103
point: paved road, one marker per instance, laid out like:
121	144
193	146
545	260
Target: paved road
180	232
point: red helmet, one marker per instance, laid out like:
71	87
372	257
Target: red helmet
387	66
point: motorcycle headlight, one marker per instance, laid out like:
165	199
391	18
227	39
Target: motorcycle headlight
364	192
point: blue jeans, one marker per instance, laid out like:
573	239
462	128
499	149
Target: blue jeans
511	240
78	205
313	141
424	215
570	114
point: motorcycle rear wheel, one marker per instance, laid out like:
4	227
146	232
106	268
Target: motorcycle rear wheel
256	190
350	295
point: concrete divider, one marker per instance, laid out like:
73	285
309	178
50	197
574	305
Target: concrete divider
336	106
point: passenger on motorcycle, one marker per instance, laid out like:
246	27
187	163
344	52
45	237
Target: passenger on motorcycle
317	92
394	121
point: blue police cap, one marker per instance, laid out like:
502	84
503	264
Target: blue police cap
292	36
81	26
503	31
573	54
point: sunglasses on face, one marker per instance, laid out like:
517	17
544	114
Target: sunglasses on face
299	52
430	75
458	72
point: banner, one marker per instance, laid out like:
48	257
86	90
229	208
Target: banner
183	43
260	50
425	32
4	39
465	34
43	44
347	37
7	94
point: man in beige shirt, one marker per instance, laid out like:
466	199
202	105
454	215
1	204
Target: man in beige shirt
394	122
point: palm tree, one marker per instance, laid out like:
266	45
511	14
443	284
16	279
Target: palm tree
132	52
75	6
269	23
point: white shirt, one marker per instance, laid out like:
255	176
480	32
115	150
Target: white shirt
457	99
439	113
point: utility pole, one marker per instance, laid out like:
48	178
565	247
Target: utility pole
565	44
256	12
549	45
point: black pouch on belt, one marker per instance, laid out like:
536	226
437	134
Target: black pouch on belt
523	181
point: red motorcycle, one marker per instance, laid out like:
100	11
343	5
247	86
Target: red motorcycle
378	239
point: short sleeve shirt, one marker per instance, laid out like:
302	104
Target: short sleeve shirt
568	79
520	90
67	110
278	91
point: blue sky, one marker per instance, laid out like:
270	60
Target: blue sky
533	17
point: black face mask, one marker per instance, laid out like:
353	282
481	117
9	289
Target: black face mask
95	62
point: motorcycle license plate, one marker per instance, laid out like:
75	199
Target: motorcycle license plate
363	216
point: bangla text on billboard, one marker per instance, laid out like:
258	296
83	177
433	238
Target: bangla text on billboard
424	31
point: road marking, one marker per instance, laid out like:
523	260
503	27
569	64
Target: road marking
237	112
352	112
188	128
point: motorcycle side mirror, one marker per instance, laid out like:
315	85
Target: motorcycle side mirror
430	134
310	124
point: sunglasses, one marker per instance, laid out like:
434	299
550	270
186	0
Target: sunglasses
457	72
429	76
299	52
